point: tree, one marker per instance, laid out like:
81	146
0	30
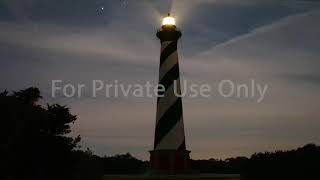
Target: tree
302	163
33	139
124	164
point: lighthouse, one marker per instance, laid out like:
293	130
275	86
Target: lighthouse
169	155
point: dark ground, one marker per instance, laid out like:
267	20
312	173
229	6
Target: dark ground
175	177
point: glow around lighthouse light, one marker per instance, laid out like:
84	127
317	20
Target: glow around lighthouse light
168	21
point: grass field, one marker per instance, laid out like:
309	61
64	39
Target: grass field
173	177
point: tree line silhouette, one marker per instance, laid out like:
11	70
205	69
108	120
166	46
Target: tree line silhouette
35	144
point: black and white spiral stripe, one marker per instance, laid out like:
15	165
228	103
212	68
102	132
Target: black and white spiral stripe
169	134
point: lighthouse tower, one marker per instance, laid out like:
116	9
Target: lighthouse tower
169	155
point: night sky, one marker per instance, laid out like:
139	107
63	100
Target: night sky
273	42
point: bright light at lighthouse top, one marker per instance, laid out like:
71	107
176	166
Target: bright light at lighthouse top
169	21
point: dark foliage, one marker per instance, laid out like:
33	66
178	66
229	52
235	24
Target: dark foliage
124	164
302	163
228	166
33	141
88	166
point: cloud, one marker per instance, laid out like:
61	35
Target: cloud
313	79
289	40
104	42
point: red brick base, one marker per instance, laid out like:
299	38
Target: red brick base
170	161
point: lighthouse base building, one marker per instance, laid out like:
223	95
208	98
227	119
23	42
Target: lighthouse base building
170	161
169	155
